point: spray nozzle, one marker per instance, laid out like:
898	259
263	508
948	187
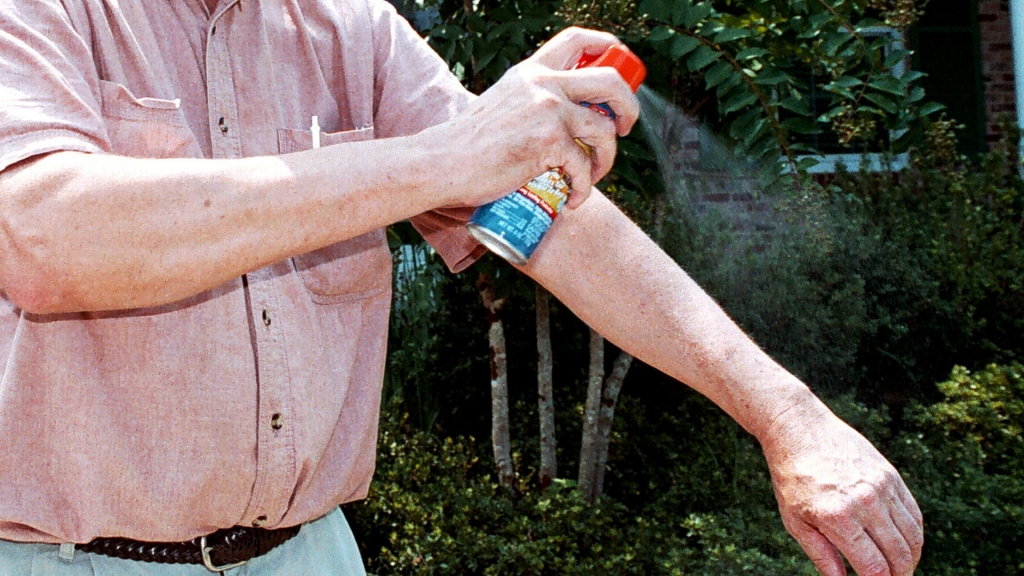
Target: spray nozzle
625	63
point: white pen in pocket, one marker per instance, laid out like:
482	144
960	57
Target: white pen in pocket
315	129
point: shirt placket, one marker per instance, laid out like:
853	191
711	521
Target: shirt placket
275	438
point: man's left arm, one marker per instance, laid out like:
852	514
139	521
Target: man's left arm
837	494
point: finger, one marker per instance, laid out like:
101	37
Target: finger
602	85
894	547
565	49
908	528
577	168
862	552
910	503
823	554
595	134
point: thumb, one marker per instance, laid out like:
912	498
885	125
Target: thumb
822	553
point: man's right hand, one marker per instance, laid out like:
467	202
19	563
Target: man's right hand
528	122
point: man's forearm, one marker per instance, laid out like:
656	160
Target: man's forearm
617	280
93	232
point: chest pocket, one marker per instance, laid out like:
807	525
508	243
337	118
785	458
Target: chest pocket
146	127
356	268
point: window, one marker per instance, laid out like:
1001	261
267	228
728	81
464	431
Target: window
947	47
871	153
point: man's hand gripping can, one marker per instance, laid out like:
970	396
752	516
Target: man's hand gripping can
514	225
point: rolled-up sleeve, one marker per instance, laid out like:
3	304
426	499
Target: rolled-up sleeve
48	84
413	91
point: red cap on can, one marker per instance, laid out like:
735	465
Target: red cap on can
625	62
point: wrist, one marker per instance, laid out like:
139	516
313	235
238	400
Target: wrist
793	418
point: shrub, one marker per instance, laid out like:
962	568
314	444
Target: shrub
964	461
697	502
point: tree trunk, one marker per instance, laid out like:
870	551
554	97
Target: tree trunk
545	394
612	387
499	382
588	450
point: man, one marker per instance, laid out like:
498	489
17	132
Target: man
195	300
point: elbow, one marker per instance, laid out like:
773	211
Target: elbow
30	274
30	291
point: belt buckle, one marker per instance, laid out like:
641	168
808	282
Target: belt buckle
209	563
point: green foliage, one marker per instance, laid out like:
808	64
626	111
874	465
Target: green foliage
435	509
698	502
964	461
741	65
877	282
958	226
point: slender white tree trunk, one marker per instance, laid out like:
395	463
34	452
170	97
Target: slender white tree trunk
612	387
588	450
545	394
500	435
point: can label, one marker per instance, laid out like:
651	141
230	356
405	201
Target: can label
521	219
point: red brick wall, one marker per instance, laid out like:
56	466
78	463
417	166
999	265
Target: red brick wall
997	62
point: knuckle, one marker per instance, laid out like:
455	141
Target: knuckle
916	541
876	569
904	563
550	136
837	515
866	499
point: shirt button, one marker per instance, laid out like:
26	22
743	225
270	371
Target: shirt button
266	318
223	125
259	521
276	421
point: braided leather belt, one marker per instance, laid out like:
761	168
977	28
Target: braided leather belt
223	550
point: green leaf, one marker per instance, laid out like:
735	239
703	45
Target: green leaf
770	76
799	106
759	130
835	41
683	45
476	24
657	9
819	20
488	54
894	57
697	14
883	102
730	83
806	163
802	126
733	34
916	94
912	76
661	33
846	82
868	23
679	12
745	123
759	150
888	84
717	74
845	93
908	139
701	58
930	108
741	100
833	113
748	53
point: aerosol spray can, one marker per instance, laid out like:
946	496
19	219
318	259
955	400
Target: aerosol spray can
514	225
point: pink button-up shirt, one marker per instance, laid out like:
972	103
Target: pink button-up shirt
255	402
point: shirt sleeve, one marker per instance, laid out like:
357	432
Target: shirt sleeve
48	84
414	90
